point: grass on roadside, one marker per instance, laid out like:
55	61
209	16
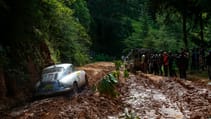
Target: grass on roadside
201	76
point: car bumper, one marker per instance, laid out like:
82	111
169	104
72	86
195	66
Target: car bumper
51	88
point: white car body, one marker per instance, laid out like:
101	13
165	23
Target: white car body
60	78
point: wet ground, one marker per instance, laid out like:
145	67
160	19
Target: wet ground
143	96
154	97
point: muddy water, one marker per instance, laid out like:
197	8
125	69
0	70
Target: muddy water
151	102
166	99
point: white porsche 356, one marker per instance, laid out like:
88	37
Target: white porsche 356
60	78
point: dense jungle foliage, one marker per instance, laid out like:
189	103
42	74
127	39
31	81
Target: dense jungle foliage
37	33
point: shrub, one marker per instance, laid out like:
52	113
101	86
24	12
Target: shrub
102	57
116	74
118	64
107	85
126	74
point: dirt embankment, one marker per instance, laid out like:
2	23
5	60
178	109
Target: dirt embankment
96	71
141	95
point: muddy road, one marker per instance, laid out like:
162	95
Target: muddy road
155	97
142	95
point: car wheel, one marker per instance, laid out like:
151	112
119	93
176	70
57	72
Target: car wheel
75	88
86	80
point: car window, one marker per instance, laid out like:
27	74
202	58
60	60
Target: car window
72	68
51	70
51	74
68	70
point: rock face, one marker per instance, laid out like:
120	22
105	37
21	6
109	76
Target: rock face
3	90
21	71
2	84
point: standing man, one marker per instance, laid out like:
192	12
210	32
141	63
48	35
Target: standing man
208	58
172	65
183	65
165	63
160	63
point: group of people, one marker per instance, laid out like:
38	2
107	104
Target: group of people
167	63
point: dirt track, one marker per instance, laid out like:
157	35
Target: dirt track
161	97
143	95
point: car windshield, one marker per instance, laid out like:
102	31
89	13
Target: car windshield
51	74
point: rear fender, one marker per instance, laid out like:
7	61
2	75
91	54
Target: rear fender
68	80
80	77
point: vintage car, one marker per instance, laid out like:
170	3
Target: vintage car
60	78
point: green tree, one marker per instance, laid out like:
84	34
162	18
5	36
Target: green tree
65	32
81	12
111	24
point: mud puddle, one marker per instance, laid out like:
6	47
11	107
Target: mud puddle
155	97
147	101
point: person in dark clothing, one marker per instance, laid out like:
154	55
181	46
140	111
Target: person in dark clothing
203	59
197	59
156	64
160	63
182	64
165	63
150	63
172	71
208	62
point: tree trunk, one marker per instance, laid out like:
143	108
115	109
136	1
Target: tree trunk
201	28
184	18
184	30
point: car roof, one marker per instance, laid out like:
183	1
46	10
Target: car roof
64	65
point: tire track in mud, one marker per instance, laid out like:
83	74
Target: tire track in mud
161	97
147	96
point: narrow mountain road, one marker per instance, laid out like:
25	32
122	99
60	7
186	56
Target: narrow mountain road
142	95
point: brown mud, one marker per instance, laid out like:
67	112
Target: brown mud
141	95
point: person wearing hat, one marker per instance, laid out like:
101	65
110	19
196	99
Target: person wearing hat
208	61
